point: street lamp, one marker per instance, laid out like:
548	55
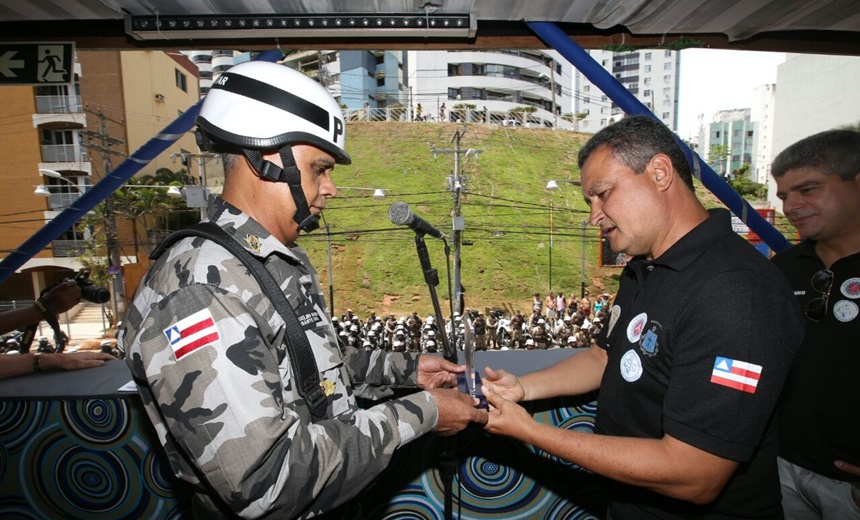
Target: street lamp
378	193
552	185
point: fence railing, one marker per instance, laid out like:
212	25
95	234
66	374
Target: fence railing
84	321
458	115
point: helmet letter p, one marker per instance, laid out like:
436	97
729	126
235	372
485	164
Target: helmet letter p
337	130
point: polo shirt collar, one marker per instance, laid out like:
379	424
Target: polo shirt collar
692	245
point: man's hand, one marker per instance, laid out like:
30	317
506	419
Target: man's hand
75	360
505	384
507	417
62	297
437	372
456	411
846	467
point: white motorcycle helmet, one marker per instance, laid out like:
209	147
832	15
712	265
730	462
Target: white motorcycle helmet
259	106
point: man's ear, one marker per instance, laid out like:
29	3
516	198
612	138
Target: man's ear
661	171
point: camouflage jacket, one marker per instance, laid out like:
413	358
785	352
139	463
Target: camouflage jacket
206	349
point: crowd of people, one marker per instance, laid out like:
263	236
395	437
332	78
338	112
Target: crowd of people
554	322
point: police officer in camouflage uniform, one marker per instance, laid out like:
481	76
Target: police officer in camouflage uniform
207	347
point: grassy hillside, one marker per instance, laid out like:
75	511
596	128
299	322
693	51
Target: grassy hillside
506	255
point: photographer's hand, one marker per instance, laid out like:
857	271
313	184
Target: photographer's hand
62	297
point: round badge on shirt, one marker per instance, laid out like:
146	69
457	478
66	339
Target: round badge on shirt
635	327
845	310
851	288
631	366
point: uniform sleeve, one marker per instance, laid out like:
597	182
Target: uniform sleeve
732	346
381	369
226	404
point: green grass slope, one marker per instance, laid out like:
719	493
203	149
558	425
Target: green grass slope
505	256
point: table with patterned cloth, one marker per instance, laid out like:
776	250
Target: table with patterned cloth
74	445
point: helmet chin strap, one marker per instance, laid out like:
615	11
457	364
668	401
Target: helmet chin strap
291	175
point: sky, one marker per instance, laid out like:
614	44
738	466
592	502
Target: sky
713	80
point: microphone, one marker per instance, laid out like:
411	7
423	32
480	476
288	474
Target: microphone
399	213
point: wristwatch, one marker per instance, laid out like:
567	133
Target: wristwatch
36	366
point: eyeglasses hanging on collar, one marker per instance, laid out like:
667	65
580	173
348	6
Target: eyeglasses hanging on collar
822	283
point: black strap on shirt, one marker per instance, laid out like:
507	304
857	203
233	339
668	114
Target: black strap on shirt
302	357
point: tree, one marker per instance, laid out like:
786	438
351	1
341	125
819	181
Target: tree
716	157
740	182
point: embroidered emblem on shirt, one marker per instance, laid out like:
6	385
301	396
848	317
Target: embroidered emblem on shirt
634	328
254	243
191	333
845	310
613	318
631	366
739	375
651	339
327	386
851	288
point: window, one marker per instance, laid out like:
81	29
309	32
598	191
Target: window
667	65
647	68
380	82
667	53
749	133
586	88
603	98
603	63
181	81
736	158
665	115
647	81
586	100
453	69
602	122
717	134
647	56
667	78
646	93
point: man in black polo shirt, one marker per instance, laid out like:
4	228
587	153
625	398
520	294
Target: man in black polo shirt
818	180
694	355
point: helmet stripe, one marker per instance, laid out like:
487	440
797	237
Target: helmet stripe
281	99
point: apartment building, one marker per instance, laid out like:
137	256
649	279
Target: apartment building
117	101
652	75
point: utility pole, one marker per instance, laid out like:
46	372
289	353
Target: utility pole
459	224
111	234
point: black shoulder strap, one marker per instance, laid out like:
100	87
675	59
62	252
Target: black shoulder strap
301	356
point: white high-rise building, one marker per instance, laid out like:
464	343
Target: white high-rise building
652	75
491	83
762	114
816	93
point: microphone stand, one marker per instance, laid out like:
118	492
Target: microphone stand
447	459
431	276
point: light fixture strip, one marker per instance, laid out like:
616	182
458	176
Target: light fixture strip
146	27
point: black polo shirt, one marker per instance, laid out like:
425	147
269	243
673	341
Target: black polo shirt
819	419
700	341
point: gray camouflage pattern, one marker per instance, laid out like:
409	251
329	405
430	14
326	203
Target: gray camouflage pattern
228	413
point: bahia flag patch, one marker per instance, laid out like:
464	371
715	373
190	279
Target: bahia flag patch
739	375
191	333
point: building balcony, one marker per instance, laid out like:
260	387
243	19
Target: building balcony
58	104
379	74
69	248
56	153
